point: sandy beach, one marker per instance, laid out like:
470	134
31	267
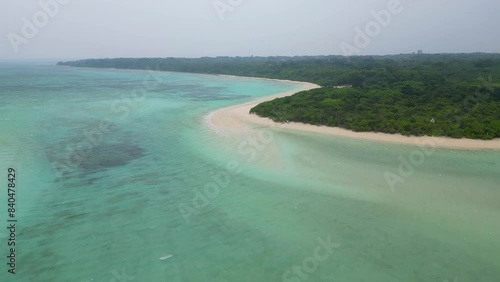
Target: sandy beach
238	119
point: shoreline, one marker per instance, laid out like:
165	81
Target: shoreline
238	118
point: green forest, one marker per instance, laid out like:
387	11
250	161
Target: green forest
454	95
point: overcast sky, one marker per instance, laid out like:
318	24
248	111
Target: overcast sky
193	28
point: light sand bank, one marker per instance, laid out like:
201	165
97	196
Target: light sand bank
238	119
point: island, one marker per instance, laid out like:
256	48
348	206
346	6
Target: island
448	95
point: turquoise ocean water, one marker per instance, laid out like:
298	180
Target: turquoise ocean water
119	178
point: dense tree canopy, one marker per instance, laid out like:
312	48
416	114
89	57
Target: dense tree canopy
456	95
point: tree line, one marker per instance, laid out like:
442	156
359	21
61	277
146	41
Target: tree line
454	95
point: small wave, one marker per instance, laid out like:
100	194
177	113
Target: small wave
208	121
166	257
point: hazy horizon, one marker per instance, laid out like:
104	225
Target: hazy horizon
70	30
